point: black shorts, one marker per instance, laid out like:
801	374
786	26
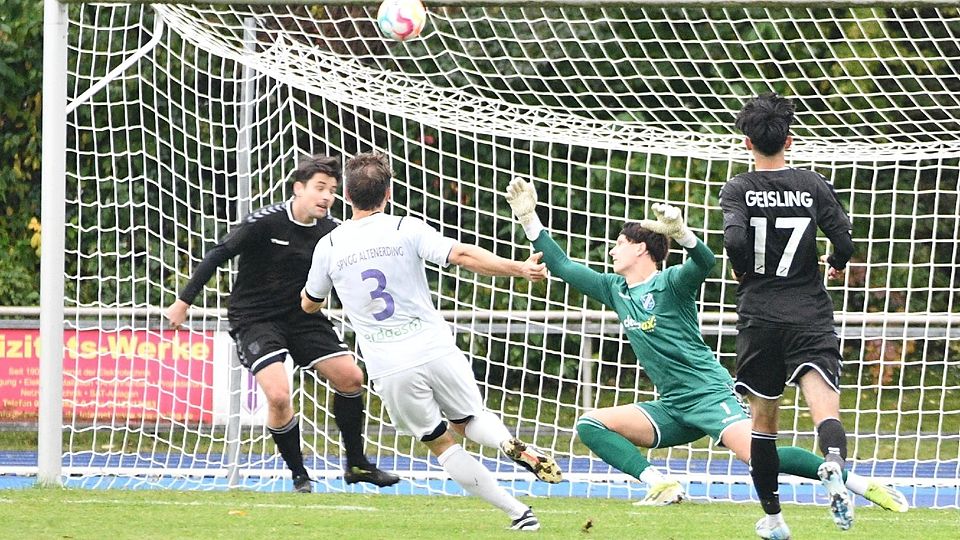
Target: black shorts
308	339
768	359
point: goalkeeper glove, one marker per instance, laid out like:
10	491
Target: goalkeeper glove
670	223
523	201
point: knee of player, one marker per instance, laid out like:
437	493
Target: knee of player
279	400
346	379
350	381
588	425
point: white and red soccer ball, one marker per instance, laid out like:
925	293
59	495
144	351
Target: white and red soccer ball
401	19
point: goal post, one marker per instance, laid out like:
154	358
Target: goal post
53	171
180	118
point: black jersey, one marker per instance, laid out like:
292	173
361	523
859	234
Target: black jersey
275	255
770	221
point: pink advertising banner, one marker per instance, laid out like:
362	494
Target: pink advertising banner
122	375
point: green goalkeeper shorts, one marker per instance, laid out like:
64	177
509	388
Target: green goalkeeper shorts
710	416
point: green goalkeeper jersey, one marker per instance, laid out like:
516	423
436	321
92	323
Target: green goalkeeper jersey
659	317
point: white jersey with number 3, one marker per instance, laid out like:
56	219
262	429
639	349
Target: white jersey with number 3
377	266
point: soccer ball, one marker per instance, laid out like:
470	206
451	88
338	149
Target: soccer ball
401	19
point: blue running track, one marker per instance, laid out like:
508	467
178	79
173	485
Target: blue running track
936	482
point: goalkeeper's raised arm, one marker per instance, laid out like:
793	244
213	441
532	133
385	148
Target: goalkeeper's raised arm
638	252
523	202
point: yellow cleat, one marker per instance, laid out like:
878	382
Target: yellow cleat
886	497
670	492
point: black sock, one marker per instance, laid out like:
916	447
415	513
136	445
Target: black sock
833	441
348	414
764	467
288	442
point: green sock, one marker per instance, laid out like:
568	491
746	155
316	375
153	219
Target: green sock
614	449
800	462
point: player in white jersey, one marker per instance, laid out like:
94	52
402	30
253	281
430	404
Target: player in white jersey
376	262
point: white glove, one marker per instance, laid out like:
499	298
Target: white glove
670	223
523	201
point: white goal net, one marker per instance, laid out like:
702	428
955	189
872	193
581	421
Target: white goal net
182	118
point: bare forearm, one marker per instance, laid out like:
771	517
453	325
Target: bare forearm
309	304
479	260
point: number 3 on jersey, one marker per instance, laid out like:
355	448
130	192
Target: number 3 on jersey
379	293
759	224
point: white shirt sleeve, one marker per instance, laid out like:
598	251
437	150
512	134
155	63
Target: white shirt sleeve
431	245
319	283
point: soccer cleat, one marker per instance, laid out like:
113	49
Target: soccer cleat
841	504
886	497
530	458
526	522
662	494
773	528
370	474
301	484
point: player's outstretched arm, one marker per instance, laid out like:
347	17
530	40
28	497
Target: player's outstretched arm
482	261
177	312
670	222
523	202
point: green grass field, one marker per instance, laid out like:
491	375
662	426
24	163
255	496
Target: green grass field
117	514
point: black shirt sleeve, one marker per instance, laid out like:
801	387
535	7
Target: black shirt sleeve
833	221
230	247
736	219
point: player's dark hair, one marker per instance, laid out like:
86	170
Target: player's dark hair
656	243
368	178
766	120
318	163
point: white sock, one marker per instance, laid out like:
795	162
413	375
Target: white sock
775	519
478	481
856	483
486	429
651	477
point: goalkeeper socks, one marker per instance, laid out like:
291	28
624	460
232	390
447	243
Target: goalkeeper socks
764	464
486	429
799	462
288	443
348	415
833	441
652	477
478	481
803	463
614	449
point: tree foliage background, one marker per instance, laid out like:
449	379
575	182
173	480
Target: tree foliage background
21	62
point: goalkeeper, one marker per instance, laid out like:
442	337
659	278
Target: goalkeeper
658	312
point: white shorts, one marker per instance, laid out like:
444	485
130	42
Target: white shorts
419	398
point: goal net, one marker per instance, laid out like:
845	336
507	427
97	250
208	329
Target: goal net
183	118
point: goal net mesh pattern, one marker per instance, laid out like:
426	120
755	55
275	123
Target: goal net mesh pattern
183	118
